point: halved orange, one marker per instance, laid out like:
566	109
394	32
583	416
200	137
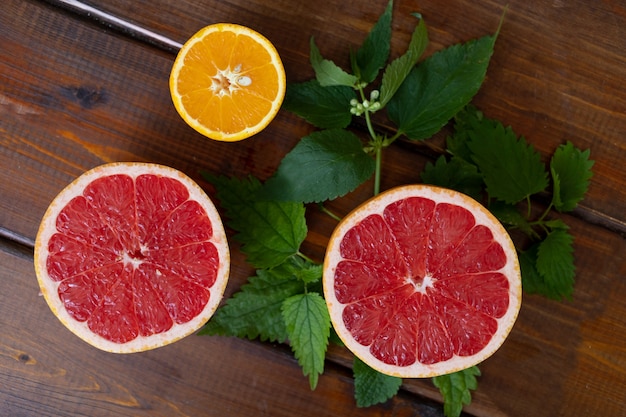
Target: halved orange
421	281
227	82
132	256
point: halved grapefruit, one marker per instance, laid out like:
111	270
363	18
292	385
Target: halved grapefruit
132	256
421	281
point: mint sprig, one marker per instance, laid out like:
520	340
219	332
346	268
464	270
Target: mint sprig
283	301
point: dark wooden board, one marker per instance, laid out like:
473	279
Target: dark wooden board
75	93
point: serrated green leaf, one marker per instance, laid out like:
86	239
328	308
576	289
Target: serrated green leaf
269	231
397	71
305	271
556	189
555	263
327	72
455	174
372	387
510	216
324	165
308	326
511	167
255	311
532	282
374	52
466	120
571	172
439	87
455	389
334	338
323	107
556	224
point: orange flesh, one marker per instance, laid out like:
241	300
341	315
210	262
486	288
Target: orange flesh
436	276
246	105
133	257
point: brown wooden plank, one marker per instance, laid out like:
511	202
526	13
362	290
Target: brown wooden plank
47	371
557	74
73	95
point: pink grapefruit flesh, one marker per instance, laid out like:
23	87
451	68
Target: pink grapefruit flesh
421	281
132	256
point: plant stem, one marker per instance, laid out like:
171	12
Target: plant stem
328	212
379	151
306	258
545	213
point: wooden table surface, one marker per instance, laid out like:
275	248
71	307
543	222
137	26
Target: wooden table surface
82	84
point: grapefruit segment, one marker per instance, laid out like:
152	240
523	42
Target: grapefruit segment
132	256
421	281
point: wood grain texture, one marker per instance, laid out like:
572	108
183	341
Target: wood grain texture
46	371
75	93
558	69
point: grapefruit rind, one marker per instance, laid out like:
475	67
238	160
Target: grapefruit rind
276	63
49	288
440	195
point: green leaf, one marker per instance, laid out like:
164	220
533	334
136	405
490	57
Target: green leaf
555	264
327	72
305	271
511	168
308	326
556	189
269	231
397	71
372	387
571	172
556	224
467	120
324	165
374	52
511	217
323	107
455	174
439	87
532	281
455	389
255	311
